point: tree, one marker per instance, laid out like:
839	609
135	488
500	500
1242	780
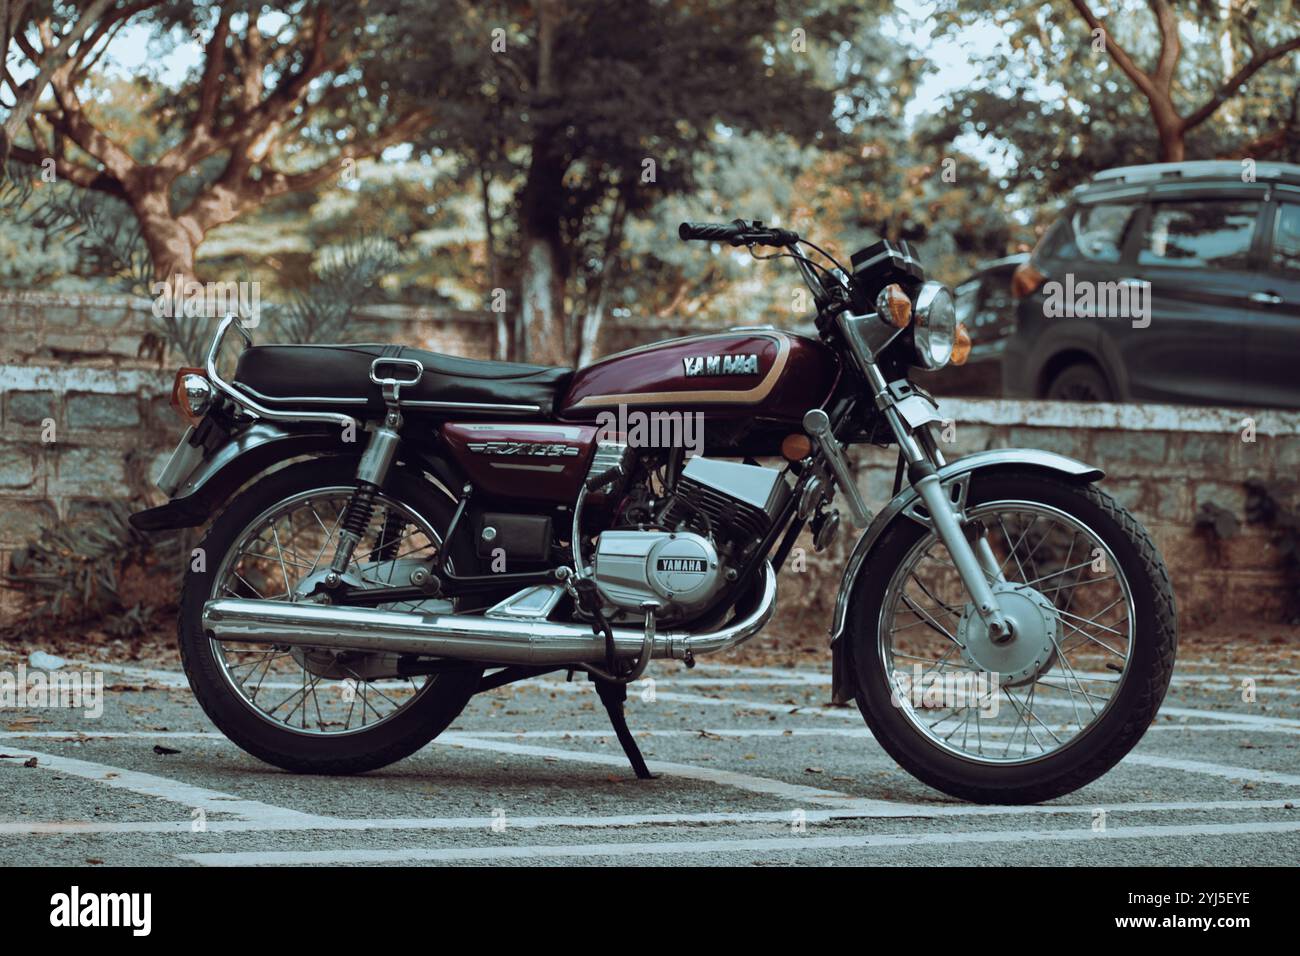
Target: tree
603	109
15	18
1176	68
282	101
1157	84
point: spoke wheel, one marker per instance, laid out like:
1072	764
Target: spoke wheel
979	700
1077	684
316	710
282	556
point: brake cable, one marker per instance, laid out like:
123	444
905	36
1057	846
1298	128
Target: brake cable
801	258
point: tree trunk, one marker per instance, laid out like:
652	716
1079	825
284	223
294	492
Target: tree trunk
1169	129
598	305
542	321
544	270
541	311
172	246
503	350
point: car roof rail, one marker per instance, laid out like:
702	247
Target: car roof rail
1195	169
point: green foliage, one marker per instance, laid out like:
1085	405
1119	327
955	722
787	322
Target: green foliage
73	572
345	276
98	232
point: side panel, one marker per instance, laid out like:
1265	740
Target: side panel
538	462
772	375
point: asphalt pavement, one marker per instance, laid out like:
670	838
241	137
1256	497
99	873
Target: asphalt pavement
754	767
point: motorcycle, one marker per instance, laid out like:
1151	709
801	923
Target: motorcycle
397	530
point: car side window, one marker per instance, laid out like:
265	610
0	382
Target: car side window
1096	232
1286	239
1208	232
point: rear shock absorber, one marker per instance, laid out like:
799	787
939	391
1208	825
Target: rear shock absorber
373	468
371	472
353	527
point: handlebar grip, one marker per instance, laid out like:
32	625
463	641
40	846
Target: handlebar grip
738	233
711	231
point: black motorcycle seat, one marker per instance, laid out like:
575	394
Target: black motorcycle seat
337	377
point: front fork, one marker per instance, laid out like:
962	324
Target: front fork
972	556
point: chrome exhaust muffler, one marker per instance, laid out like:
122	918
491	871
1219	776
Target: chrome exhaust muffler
472	637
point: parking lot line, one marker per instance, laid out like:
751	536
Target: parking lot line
881	810
164	788
754	845
1215	770
729	778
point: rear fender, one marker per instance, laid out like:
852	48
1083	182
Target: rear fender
226	468
230	465
955	478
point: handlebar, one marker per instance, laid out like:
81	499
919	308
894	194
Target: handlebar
737	233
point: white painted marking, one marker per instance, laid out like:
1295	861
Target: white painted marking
776	788
1215	770
146	784
810	815
757	845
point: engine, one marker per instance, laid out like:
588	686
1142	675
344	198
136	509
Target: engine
709	526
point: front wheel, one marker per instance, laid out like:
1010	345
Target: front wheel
1074	689
313	710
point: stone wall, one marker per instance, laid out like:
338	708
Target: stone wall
84	419
1163	463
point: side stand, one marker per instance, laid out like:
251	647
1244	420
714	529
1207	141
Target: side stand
613	695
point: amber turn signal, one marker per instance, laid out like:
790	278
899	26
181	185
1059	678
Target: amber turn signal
796	447
894	306
960	345
1025	280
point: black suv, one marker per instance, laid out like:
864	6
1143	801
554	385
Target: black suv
1173	282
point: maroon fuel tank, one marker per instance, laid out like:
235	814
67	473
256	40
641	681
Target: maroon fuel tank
767	375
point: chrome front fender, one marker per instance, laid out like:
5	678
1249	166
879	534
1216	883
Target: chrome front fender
955	477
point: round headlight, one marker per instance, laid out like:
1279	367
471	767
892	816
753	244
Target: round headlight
935	325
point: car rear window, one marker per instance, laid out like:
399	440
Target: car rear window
1095	232
1286	238
1207	232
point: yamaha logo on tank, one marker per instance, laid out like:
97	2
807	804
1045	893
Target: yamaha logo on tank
691	565
720	365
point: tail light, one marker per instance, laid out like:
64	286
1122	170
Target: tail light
192	394
1026	280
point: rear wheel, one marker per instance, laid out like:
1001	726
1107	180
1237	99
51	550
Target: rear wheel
1057	706
312	710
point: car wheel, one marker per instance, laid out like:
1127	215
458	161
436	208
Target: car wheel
1083	382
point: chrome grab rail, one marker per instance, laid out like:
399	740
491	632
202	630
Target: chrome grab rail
249	404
